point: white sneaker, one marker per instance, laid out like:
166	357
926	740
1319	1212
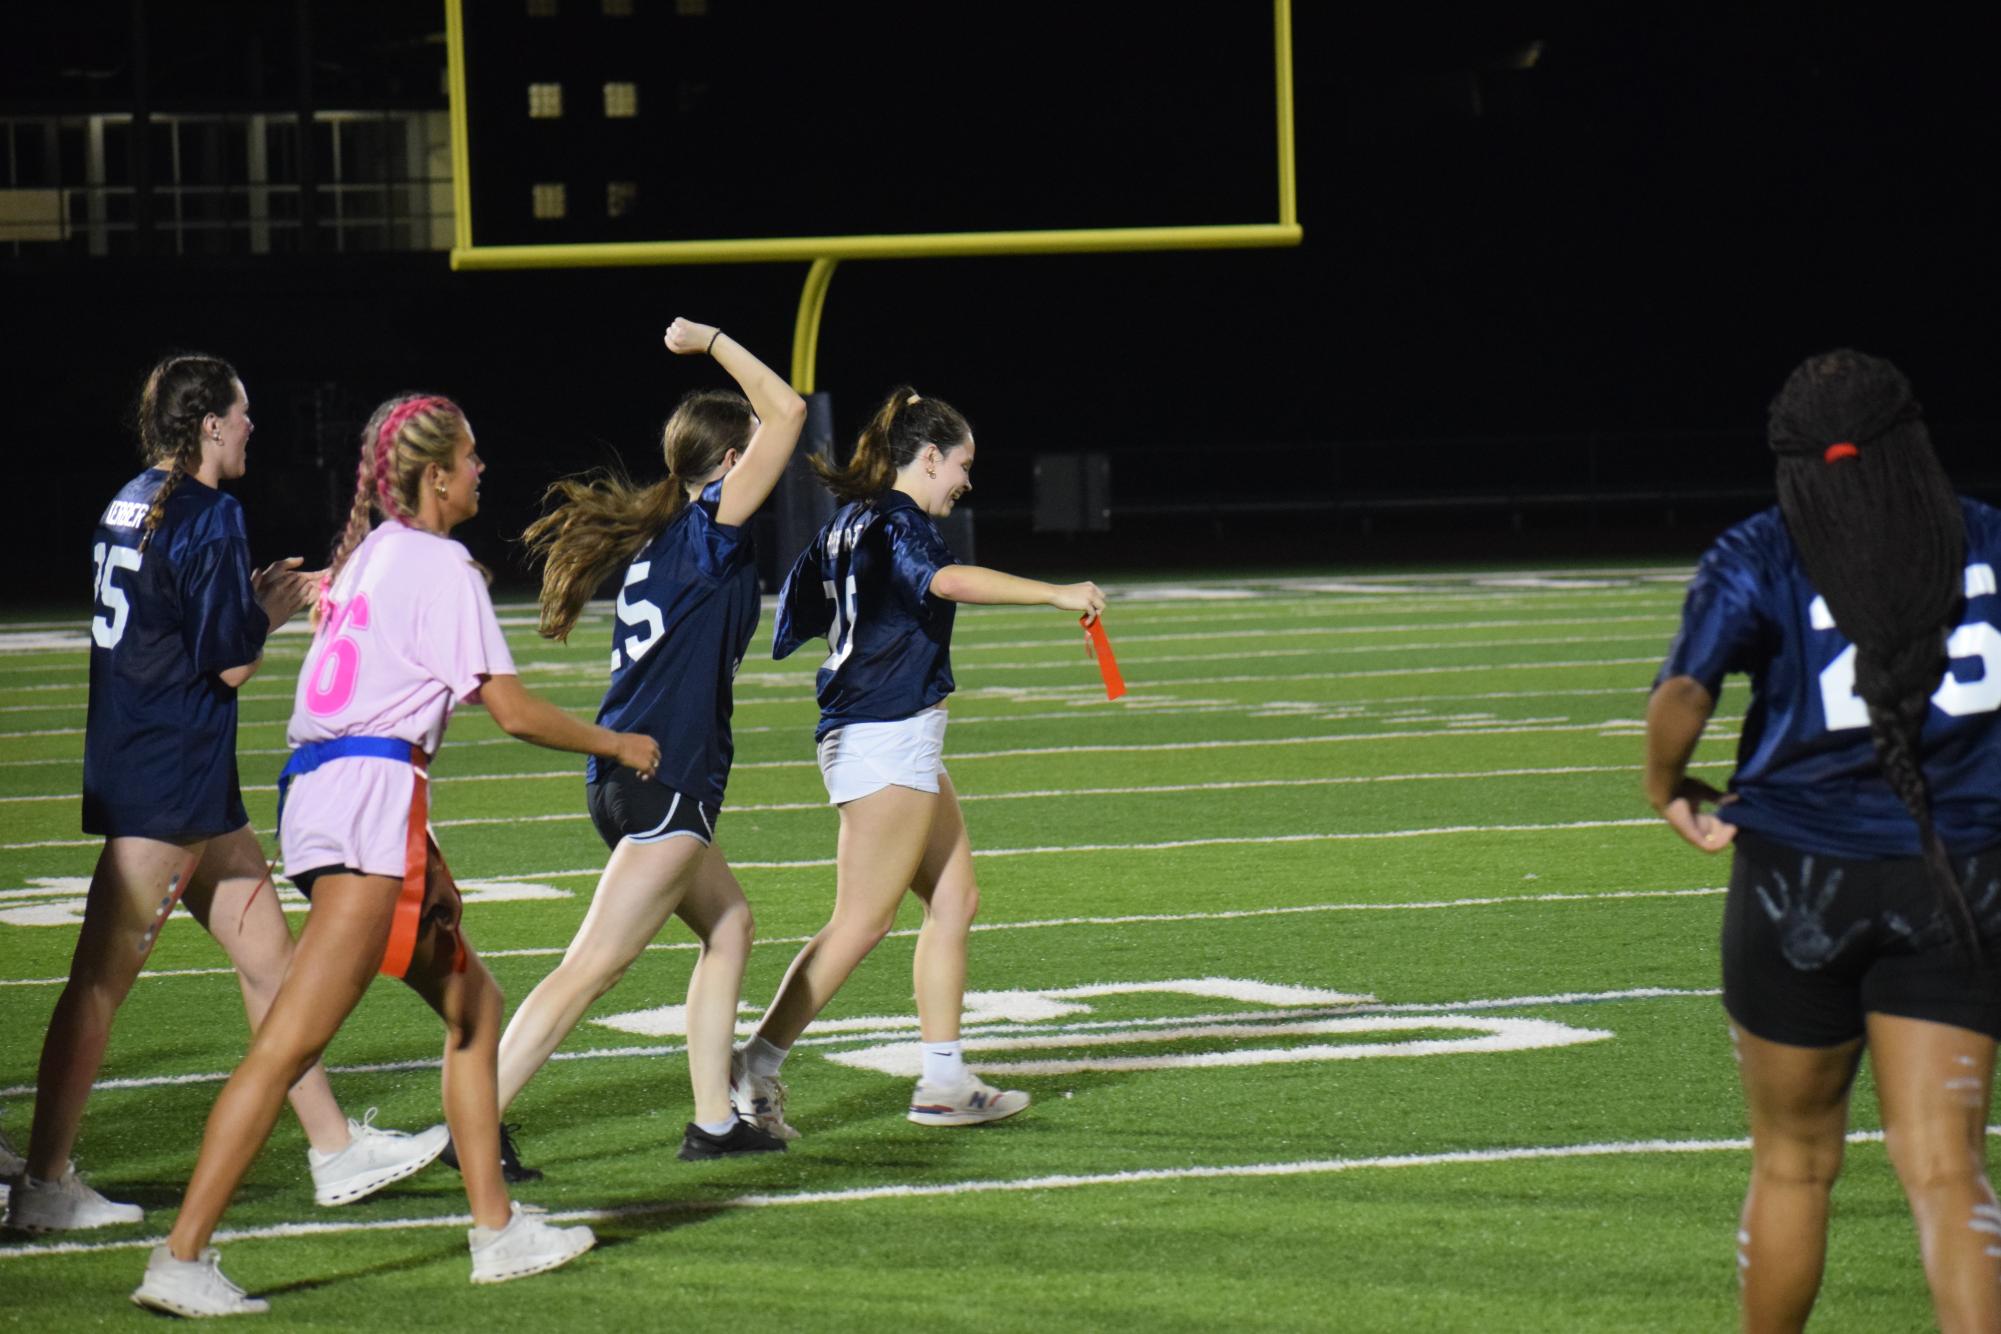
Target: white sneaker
63	1204
527	1245
759	1099
193	1287
372	1159
12	1164
967	1104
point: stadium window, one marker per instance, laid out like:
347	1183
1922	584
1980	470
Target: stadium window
545	101
621	101
550	201
618	9
620	197
541	9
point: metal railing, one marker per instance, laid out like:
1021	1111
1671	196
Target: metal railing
225	184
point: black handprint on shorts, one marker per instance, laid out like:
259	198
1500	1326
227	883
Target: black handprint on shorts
1803	937
1937	931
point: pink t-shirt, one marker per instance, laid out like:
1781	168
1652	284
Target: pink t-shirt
410	633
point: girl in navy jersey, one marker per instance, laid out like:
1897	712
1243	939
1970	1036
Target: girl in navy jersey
880	585
178	626
1864	907
687	607
405	633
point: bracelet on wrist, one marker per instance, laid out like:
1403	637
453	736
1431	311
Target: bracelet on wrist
711	348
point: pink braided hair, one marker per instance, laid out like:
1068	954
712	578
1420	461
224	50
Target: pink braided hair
385	444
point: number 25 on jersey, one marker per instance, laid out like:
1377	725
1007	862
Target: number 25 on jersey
111	558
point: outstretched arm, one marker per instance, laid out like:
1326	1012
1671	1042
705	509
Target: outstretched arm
1676	714
977	584
535	720
781	416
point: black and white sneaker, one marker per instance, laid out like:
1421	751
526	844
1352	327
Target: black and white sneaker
743	1137
510	1158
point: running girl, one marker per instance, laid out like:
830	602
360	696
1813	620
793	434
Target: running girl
687	607
178	626
406	633
879	584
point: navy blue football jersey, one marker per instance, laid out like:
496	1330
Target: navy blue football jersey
686	613
1806	772
159	753
864	585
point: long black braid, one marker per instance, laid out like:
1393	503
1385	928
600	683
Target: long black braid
1882	537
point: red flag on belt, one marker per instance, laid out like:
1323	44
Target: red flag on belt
1101	648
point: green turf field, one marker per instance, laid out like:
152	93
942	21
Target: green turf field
1354	983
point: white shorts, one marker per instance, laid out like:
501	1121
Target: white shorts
867	757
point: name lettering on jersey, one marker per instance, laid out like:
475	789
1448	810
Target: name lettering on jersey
125	514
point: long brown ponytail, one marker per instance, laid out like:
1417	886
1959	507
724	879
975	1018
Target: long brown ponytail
598	521
901	427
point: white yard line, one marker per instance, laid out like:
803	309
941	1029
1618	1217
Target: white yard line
1307	1167
1032	924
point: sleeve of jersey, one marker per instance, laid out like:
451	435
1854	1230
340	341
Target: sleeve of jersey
1720	621
717	549
916	553
222	623
460	639
804	609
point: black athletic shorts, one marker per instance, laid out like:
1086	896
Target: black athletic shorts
306	879
1812	944
624	805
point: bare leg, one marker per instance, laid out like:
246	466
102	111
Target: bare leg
716	910
1798	1099
230	899
883	837
132	875
951	898
337	955
639	890
470	1004
1935	1082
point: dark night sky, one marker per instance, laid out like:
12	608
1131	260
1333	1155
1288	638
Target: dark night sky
1639	234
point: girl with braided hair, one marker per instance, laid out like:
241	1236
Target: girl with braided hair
405	632
687	607
179	624
880	585
1864	907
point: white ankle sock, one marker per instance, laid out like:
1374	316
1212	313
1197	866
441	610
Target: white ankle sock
762	1058
944	1063
717	1128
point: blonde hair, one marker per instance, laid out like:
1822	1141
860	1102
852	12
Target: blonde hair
601	519
403	437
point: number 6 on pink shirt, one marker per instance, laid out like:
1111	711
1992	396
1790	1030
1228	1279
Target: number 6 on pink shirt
333	676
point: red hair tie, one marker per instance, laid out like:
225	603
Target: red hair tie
1840	450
